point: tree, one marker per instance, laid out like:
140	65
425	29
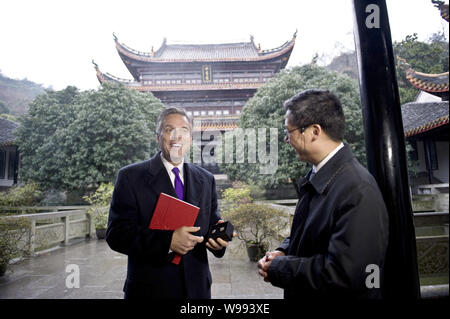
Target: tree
77	140
428	57
3	108
265	110
40	138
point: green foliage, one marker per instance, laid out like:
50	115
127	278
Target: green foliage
234	196
265	110
27	195
78	140
102	196
3	108
13	240
257	224
9	117
100	200
41	137
428	57
99	215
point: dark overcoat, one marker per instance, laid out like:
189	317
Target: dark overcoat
339	235
150	273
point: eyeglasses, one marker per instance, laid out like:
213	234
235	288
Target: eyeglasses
302	130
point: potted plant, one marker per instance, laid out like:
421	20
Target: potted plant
256	225
100	200
99	215
14	243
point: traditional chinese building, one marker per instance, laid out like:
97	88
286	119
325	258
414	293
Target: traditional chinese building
426	121
212	82
9	155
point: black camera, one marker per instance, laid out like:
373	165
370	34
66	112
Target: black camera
222	230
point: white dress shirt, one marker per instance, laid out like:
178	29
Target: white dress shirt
327	158
169	168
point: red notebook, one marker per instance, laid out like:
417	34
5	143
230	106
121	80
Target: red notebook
172	213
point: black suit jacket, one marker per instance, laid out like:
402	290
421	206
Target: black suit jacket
340	227
150	273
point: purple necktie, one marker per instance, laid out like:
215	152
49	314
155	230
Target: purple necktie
179	188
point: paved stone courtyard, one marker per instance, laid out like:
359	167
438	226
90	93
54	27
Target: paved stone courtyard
102	275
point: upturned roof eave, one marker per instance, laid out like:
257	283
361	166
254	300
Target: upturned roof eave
126	52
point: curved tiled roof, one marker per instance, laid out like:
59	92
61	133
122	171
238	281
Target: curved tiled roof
437	84
422	117
243	51
6	132
443	8
428	82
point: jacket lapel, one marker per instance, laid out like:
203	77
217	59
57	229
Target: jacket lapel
192	185
158	178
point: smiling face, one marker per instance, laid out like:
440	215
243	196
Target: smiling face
175	138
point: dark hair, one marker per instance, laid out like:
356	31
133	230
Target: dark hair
316	106
168	111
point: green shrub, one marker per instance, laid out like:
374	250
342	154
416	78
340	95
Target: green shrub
234	196
13	240
257	224
100	201
27	195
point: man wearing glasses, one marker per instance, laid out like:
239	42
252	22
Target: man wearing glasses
151	274
340	227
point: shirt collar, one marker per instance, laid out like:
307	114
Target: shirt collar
327	158
169	166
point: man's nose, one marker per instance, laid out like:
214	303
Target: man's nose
175	135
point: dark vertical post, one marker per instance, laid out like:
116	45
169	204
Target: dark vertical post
385	144
16	166
426	148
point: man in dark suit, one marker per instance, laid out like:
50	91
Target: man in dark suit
150	272
339	234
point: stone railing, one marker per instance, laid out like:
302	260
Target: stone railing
431	197
431	188
432	240
53	228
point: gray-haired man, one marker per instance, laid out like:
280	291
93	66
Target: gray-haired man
151	274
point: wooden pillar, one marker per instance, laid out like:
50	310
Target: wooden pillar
427	152
385	144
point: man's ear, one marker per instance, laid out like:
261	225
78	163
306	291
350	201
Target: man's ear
316	131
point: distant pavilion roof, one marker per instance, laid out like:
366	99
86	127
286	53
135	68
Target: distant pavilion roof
436	84
225	123
443	8
421	117
169	53
428	82
7	127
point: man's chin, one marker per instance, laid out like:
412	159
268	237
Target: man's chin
176	155
300	157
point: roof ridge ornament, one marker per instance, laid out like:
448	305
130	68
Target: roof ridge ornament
115	37
443	8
